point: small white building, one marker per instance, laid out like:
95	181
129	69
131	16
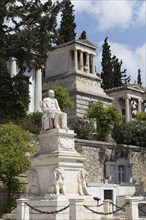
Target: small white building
128	99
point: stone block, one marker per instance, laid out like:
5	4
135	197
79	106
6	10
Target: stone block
56	139
81	102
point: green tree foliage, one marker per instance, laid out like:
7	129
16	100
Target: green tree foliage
83	36
105	118
83	128
27	30
132	133
14	143
112	75
117	71
63	97
106	74
125	79
139	81
140	116
32	122
67	25
14	97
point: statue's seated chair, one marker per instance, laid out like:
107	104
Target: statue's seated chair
47	122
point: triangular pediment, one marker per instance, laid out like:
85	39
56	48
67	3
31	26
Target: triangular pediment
132	87
86	42
136	87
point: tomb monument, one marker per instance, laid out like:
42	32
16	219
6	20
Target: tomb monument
57	180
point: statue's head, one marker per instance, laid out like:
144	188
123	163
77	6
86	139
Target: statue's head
51	93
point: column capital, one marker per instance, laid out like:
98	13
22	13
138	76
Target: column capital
140	100
128	97
13	59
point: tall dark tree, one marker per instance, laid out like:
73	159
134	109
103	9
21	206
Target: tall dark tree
106	74
120	76
67	25
139	81
112	74
117	71
27	31
83	36
125	79
14	96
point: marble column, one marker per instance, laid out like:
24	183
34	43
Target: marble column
32	90
93	65
87	62
139	105
75	60
13	67
81	60
127	105
144	106
38	90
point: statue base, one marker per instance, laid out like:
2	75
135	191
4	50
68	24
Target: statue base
56	140
57	150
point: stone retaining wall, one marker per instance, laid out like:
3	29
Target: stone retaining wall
97	153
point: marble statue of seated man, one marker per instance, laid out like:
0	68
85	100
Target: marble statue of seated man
52	117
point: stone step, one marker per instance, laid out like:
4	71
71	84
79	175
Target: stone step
10	216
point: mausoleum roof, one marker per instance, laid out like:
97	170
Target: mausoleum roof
133	87
85	42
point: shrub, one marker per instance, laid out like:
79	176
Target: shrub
83	128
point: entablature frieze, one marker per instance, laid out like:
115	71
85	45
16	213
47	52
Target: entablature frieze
85	51
128	96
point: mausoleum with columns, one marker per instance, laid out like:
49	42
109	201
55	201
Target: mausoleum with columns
72	66
128	99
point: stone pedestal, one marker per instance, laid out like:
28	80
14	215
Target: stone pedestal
56	140
57	150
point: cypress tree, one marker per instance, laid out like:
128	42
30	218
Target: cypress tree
112	75
83	36
106	74
67	25
117	72
139	81
125	79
